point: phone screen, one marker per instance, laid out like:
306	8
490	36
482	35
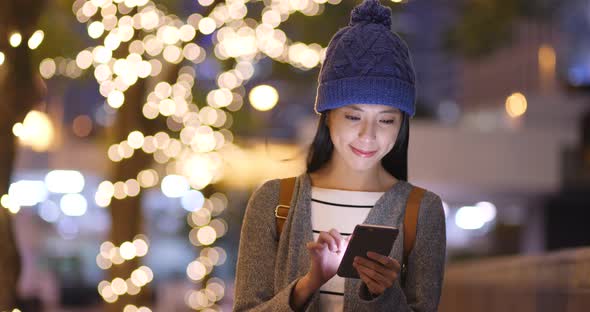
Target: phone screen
365	238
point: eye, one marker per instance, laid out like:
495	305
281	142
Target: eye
388	121
350	117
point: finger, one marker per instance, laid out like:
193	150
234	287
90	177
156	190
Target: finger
384	260
384	279
315	246
371	264
373	286
326	238
337	238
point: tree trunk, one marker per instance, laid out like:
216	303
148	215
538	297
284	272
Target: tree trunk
9	256
19	93
126	214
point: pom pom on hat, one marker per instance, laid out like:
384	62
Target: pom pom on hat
371	11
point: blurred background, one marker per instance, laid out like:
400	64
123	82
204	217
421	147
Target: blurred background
132	133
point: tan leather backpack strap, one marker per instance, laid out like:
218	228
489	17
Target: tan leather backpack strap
411	221
282	209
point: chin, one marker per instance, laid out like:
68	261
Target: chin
361	165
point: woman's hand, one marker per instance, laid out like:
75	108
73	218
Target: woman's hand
326	254
378	272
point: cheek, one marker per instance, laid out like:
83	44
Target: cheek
388	140
342	135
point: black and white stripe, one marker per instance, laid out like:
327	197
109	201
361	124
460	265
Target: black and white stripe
340	210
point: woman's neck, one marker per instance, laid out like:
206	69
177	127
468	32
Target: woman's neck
378	180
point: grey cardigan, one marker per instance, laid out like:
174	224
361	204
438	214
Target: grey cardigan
267	269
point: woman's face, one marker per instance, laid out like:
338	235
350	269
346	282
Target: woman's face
363	134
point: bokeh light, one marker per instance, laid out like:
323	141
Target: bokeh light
516	105
263	97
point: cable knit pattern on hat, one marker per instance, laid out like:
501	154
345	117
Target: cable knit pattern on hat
366	63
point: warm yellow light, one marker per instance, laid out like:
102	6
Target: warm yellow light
36	131
205	2
47	68
36	39
172	54
148	273
139	278
220	97
116	99
148	178
245	69
272	17
102	55
119	190
547	58
119	286
516	105
141	247
15	39
2	58
128	250
191	52
207	26
132	289
149	20
170	34
196	271
112	41
167	107
206	235
95	29
9	204
187	33
135	139
103	263
84	59
130	308
132	187
263	97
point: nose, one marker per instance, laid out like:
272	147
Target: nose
368	131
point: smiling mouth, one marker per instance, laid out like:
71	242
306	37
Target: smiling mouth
363	153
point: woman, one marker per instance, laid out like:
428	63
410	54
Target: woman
356	173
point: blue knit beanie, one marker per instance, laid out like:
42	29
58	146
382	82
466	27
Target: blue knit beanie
367	63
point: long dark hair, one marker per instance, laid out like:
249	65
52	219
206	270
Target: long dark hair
395	162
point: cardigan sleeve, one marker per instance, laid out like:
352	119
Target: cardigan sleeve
426	265
254	285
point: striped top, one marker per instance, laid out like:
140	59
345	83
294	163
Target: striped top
341	210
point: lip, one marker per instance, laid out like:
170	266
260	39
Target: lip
362	153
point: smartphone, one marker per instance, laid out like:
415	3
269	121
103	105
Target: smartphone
365	238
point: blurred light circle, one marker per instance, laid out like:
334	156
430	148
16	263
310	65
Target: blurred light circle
174	186
487	210
73	205
67	228
49	211
128	250
64	181
207	26
470	218
263	97
196	271
206	235
516	105
27	192
192	201
47	68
